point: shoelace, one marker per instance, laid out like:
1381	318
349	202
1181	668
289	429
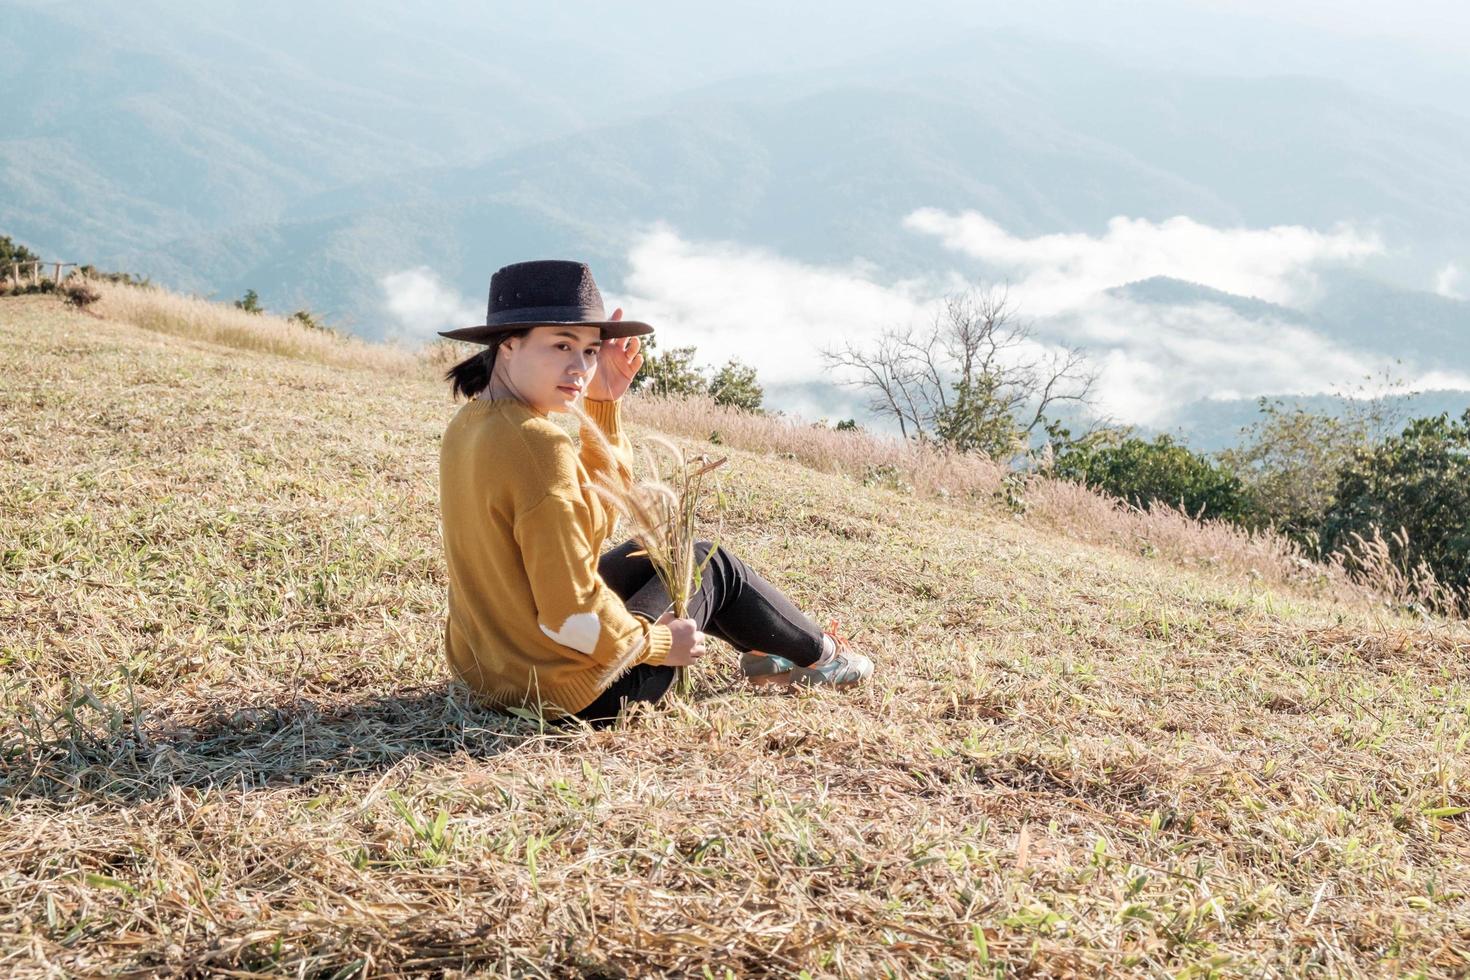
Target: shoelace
838	639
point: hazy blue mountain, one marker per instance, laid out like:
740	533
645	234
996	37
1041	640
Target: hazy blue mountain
822	166
1206	425
134	124
1168	291
1377	315
1212	425
1353	309
306	151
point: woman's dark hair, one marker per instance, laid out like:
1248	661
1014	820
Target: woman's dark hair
472	375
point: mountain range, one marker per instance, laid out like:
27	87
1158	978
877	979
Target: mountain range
214	158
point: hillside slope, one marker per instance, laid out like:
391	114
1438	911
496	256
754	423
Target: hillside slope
229	743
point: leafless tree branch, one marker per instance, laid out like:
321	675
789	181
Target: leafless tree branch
976	344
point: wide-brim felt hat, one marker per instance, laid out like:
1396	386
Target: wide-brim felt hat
544	293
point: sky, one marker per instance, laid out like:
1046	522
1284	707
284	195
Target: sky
1437	25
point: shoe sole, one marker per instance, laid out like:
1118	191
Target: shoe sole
789	679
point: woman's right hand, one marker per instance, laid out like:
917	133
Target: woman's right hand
688	643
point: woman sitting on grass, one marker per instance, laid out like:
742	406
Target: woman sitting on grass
536	618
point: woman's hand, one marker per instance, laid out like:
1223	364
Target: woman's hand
617	363
688	641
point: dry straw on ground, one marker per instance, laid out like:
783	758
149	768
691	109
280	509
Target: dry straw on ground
228	747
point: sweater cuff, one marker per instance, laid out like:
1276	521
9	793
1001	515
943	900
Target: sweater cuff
660	643
607	415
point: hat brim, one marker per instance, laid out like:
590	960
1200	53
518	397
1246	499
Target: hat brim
483	333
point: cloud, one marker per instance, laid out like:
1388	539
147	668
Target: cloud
770	312
421	304
1153	359
1058	272
1447	283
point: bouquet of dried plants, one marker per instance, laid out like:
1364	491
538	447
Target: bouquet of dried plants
661	512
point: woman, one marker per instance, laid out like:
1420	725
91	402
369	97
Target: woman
536	619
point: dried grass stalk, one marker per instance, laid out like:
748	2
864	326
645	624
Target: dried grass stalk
662	512
1383	566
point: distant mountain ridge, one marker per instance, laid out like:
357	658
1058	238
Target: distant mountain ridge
136	139
1354	309
819	166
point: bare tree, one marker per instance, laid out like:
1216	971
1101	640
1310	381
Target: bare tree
973	379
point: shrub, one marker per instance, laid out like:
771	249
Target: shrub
12	251
250	302
982	418
43	285
1416	483
79	293
310	321
735	385
669	374
1145	472
1289	460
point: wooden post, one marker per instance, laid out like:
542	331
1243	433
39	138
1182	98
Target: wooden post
57	277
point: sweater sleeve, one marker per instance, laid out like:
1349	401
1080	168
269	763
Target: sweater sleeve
609	418
575	608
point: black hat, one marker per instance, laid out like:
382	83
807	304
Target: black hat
544	292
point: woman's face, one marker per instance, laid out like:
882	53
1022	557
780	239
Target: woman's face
550	366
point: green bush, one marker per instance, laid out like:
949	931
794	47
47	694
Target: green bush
250	302
671	373
12	251
1417	481
11	254
735	385
981	418
1142	472
311	321
1289	460
26	287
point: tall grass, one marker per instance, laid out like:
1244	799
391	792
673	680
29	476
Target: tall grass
1077	511
864	456
1381	566
158	309
1167	531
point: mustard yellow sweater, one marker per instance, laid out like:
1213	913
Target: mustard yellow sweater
530	620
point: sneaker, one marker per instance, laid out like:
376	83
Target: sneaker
847	666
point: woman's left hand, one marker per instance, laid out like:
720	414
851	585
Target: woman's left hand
617	363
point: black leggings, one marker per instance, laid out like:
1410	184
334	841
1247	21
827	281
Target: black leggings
733	603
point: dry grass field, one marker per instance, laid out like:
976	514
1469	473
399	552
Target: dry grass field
228	745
